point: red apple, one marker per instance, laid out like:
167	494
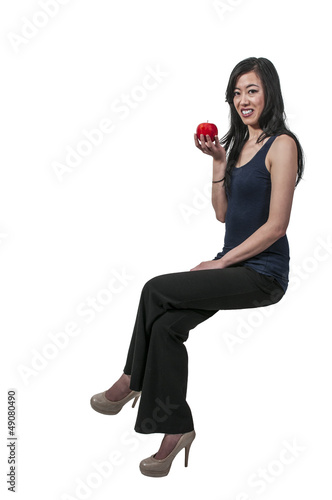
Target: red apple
207	129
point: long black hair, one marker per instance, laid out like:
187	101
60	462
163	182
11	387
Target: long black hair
271	121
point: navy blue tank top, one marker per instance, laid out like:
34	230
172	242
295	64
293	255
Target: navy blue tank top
247	210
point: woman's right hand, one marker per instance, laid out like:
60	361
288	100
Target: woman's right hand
213	149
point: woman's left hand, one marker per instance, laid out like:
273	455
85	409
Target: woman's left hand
209	264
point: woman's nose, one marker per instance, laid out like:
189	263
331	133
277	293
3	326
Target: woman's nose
244	100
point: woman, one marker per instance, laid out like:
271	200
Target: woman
252	193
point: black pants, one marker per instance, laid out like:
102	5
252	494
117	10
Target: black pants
170	306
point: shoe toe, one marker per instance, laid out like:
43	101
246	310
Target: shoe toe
154	468
148	466
95	398
98	401
147	462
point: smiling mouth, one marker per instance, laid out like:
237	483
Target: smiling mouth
247	112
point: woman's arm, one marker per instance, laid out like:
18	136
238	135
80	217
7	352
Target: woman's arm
283	157
218	153
219	199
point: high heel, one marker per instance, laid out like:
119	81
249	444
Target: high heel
100	403
186	455
159	468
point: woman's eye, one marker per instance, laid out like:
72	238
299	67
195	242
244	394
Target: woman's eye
238	93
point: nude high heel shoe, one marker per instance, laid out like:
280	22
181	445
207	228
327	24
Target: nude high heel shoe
100	403
160	468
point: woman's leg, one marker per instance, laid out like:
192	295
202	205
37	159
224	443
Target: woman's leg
120	389
163	407
170	306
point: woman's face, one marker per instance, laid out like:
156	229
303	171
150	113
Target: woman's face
248	98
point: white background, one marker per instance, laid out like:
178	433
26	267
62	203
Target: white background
122	209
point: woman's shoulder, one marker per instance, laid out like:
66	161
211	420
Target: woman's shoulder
283	148
284	140
283	144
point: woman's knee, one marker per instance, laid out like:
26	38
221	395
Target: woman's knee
169	326
155	283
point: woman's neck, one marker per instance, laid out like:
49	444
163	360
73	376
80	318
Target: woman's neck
254	133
